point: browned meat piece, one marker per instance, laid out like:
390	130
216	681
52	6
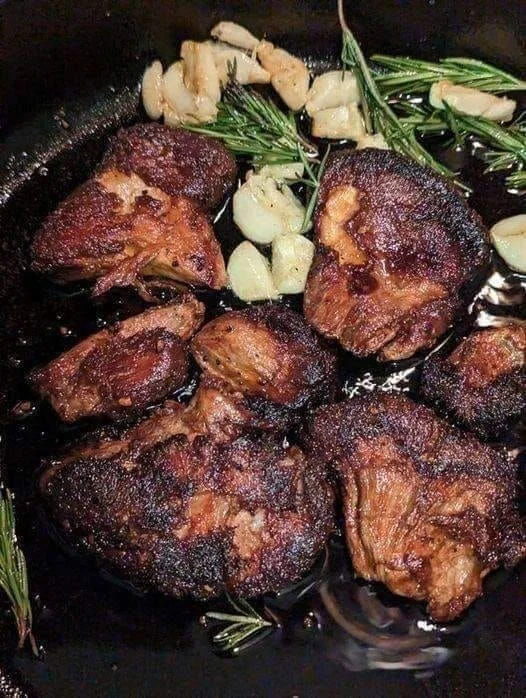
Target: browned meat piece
483	382
268	352
193	517
225	413
124	368
117	229
429	510
174	160
395	248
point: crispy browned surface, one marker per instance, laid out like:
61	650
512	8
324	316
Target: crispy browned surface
395	244
225	413
174	160
124	368
268	352
429	510
193	517
483	382
117	229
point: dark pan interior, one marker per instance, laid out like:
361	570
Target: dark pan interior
72	79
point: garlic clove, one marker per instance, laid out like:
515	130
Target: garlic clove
235	34
151	90
332	89
343	122
248	70
373	140
200	72
288	74
471	102
509	239
262	209
281	173
292	257
249	274
180	101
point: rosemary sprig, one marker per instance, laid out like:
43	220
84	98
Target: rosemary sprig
253	126
13	572
400	75
379	116
243	629
507	145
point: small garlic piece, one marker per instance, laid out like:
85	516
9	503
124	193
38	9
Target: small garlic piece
180	103
292	257
201	78
248	70
282	173
235	34
332	89
249	274
467	100
288	74
262	209
151	90
509	239
338	122
373	140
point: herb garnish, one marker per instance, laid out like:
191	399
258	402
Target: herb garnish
401	75
253	126
242	630
13	572
378	115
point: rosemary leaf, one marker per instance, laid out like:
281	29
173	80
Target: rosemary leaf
400	75
13	571
379	116
253	126
242	630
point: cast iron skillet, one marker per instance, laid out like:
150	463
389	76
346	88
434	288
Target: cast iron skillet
73	70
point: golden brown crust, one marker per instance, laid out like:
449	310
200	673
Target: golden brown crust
193	517
178	162
395	247
482	383
116	229
429	510
268	352
124	368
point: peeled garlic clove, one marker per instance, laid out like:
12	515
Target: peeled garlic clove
151	90
235	34
373	140
288	74
332	89
178	98
200	72
281	173
249	274
291	260
338	122
467	100
263	210
509	239
248	70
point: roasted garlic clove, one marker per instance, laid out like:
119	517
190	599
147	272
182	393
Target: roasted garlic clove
201	78
179	101
332	89
235	34
339	122
152	97
262	209
248	70
373	140
291	260
249	274
288	74
290	171
509	239
467	100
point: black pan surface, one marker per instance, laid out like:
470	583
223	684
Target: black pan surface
73	71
